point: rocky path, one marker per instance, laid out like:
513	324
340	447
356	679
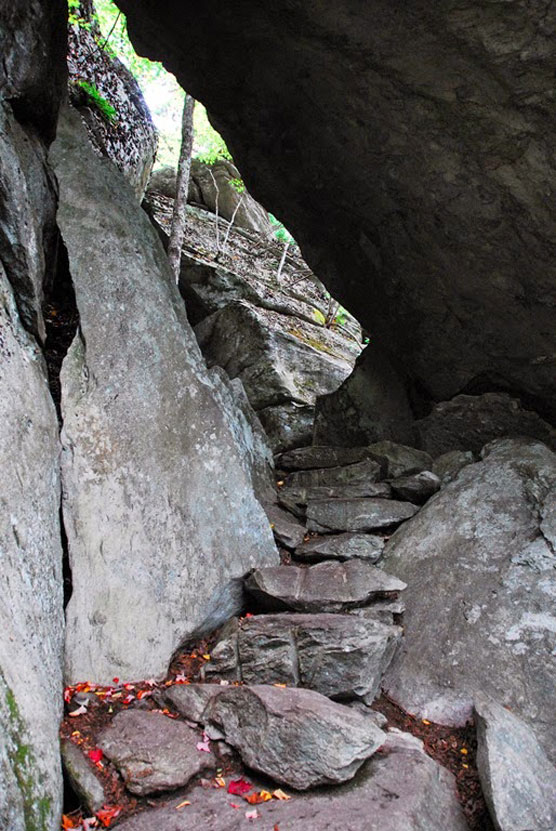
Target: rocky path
278	720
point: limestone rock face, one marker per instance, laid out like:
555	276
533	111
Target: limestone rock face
479	563
431	143
160	512
31	601
129	137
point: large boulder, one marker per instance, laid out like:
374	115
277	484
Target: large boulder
519	783
159	507
418	191
307	740
209	181
399	789
479	563
125	133
468	422
31	604
277	360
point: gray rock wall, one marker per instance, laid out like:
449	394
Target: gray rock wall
160	513
31	611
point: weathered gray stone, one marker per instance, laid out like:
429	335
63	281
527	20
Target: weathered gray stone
191	700
155	490
371	405
339	656
519	782
296	498
276	362
129	139
325	587
399	789
287	530
27	217
468	422
329	515
309	458
255	453
83	779
288	425
449	464
481	587
416	488
365	472
152	752
31	595
342	547
385	611
308	740
398	460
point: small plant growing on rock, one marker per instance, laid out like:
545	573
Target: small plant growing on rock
95	99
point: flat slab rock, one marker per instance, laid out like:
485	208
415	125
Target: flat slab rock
308	458
342	547
325	587
82	776
301	495
364	472
286	528
416	488
326	515
153	752
519	782
340	656
400	789
398	459
297	737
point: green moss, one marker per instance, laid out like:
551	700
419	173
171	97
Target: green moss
95	99
36	809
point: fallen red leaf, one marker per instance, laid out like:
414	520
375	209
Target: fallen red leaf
239	787
95	755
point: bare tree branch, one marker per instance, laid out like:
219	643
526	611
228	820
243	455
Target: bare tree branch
179	215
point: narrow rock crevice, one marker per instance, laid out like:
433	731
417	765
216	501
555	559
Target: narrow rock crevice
61	320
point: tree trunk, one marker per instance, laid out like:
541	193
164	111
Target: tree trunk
179	215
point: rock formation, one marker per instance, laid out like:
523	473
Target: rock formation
411	151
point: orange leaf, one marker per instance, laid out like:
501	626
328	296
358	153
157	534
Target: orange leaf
182	804
107	814
279	794
257	798
68	822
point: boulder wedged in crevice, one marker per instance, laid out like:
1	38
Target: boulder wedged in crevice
407	150
159	510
